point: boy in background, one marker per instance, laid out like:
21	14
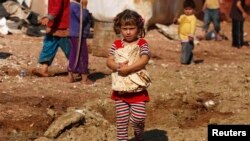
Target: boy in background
211	10
186	31
57	32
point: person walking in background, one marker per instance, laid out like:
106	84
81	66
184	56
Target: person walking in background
238	15
186	31
79	30
57	32
130	103
211	10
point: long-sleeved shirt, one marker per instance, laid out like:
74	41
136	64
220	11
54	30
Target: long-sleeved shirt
187	25
58	11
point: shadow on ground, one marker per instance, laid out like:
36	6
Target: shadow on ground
93	76
154	135
4	55
97	75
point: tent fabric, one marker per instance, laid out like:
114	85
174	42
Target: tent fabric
3	26
153	11
3	12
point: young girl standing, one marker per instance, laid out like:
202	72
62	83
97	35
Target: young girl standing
130	105
79	30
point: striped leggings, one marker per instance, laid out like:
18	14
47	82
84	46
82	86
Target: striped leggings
135	113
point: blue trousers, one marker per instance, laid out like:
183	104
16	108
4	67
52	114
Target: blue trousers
212	15
50	46
186	52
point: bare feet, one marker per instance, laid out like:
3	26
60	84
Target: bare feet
39	73
71	78
87	82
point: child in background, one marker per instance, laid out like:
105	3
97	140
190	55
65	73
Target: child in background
130	106
57	32
238	15
186	31
79	30
211	10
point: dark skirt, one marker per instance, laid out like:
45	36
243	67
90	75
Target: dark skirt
78	64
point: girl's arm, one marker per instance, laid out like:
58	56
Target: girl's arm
111	63
193	27
138	65
244	14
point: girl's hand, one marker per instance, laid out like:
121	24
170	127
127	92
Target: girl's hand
244	15
123	68
44	21
120	65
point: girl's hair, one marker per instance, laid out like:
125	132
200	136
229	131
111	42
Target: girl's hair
129	17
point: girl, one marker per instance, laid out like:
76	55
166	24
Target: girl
238	14
130	105
79	30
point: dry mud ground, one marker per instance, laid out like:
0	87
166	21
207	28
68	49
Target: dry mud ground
176	112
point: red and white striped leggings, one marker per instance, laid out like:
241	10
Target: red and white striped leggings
135	113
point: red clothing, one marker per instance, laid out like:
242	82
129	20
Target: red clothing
131	97
141	96
59	9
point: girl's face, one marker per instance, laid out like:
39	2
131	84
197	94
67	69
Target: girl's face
188	11
129	32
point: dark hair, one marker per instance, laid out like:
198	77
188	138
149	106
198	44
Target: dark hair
129	17
189	3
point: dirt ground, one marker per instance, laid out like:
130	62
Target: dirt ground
177	111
